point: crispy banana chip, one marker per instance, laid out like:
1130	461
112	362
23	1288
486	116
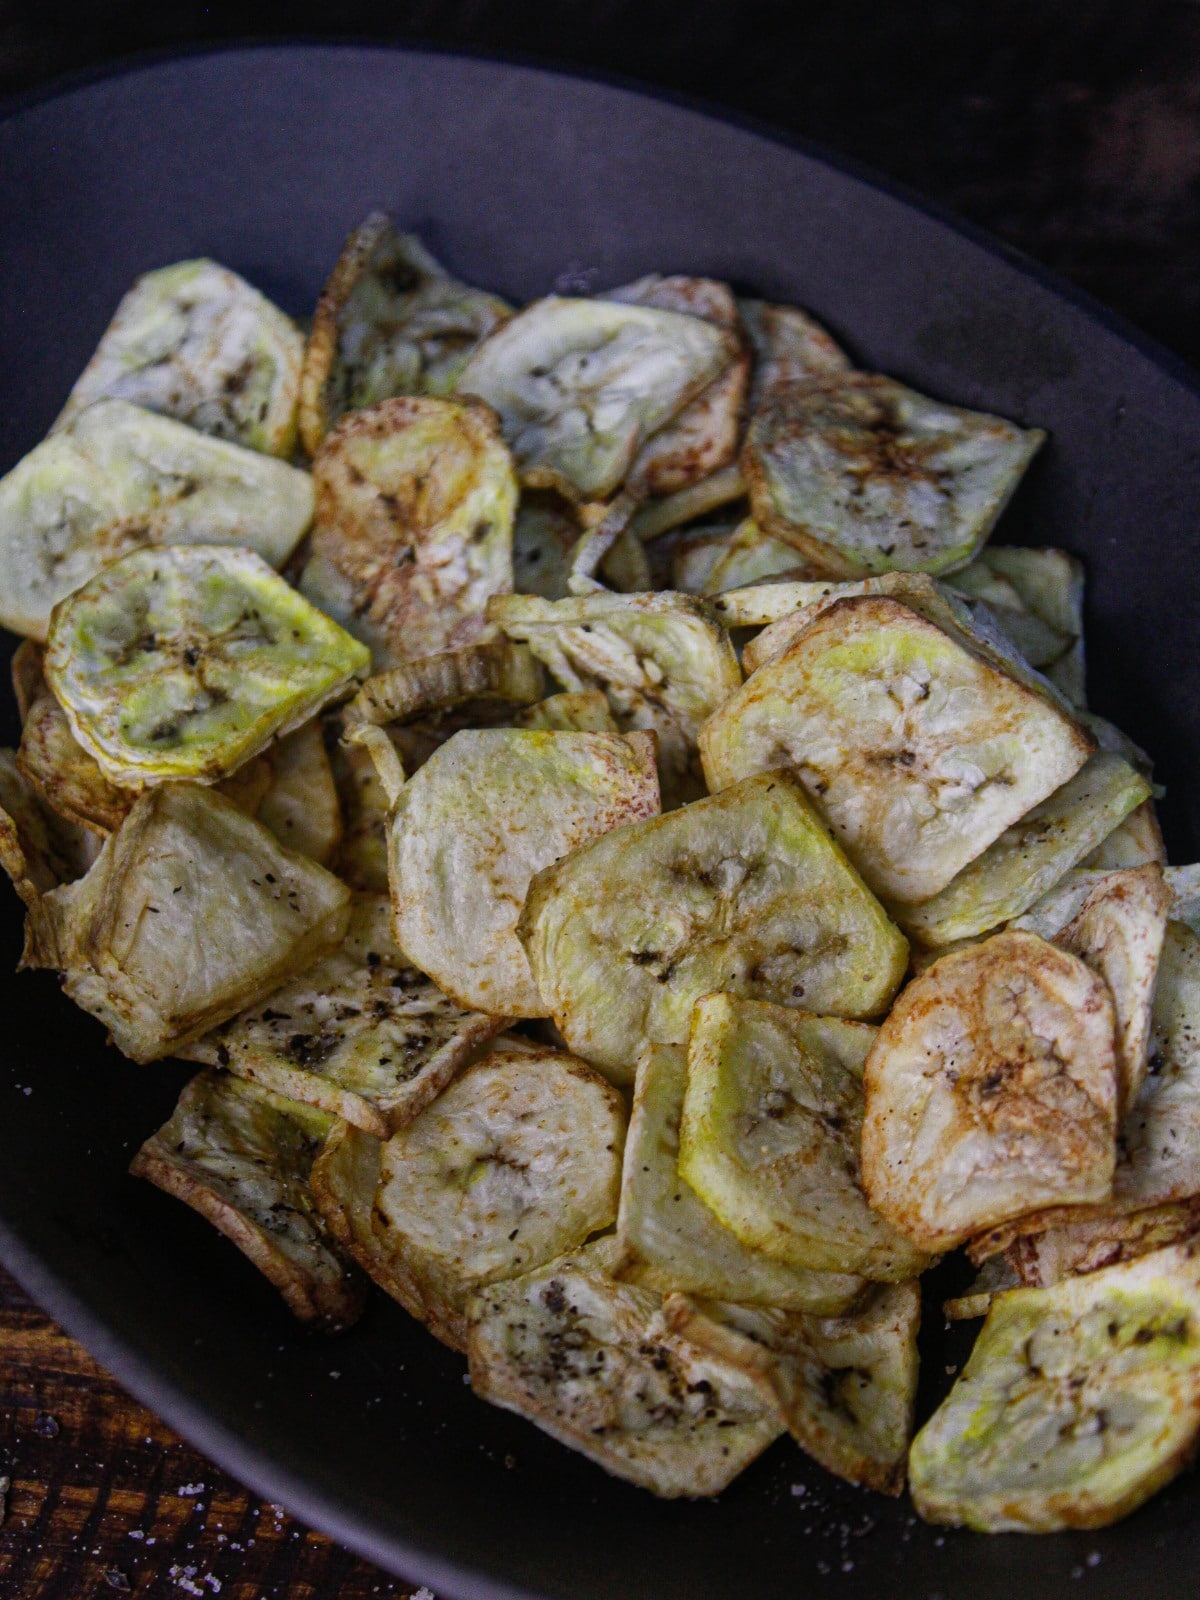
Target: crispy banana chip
301	805
493	670
1036	597
583	711
682	560
358	1033
743	892
120	478
28	679
415	501
863	475
68	779
769	1140
184	663
752	557
1031	855
545	533
514	1163
672	1240
610	550
361	859
656	517
191	913
196	342
1077	1404
38	849
581	385
1184	884
918	750
593	1363
1115	921
704	437
471	828
846	1386
390	321
1137	842
789	347
241	1157
991	1090
1040	1260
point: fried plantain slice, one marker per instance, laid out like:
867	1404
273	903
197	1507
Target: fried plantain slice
1031	855
593	1363
301	805
751	557
120	478
772	1118
1184	884
581	711
744	892
1136	842
789	347
609	549
1115	921
359	1033
656	517
846	1385
361	859
1036	597
682	560
190	913
991	1090
545	533
185	662
415	500
919	751
581	385
1040	1260
672	1241
241	1157
390	321
703	438
863	475
197	343
518	1160
471	828
1077	1403
68	779
495	669
38	849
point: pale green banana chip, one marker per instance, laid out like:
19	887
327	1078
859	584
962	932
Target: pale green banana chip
753	557
789	347
583	711
301	805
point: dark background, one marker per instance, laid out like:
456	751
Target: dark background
1071	128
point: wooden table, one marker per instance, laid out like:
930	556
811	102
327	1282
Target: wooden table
102	1499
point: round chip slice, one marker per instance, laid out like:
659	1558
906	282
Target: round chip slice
991	1090
185	662
1077	1404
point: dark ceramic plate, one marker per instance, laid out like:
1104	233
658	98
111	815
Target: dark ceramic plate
521	180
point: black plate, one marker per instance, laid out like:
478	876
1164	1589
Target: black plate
523	179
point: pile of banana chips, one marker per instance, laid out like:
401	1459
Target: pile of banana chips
632	864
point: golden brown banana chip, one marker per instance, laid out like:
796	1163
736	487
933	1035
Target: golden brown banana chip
300	805
703	438
584	711
863	475
744	891
185	662
991	1090
390	321
581	385
593	1363
38	848
1040	1260
656	517
1031	855
68	779
1115	921
415	500
671	1238
518	1160
241	1157
772	1118
1076	1405
1136	842
359	1033
846	1386
196	342
495	669
190	913
789	347
471	828
918	750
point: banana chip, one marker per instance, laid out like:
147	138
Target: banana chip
120	478
514	1163
1136	842
846	1386
1031	855
241	1157
751	557
593	1363
704	437
918	751
185	662
769	1140
991	1090
38	849
1076	1405
361	859
672	1240
190	913
545	533
359	1033
68	779
301	805
196	342
390	321
789	347
743	892
471	828
493	670
581	385
1036	597
683	560
585	711
656	517
1040	1260
863	475
415	501
1184	884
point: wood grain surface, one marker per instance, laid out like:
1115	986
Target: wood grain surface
100	1499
